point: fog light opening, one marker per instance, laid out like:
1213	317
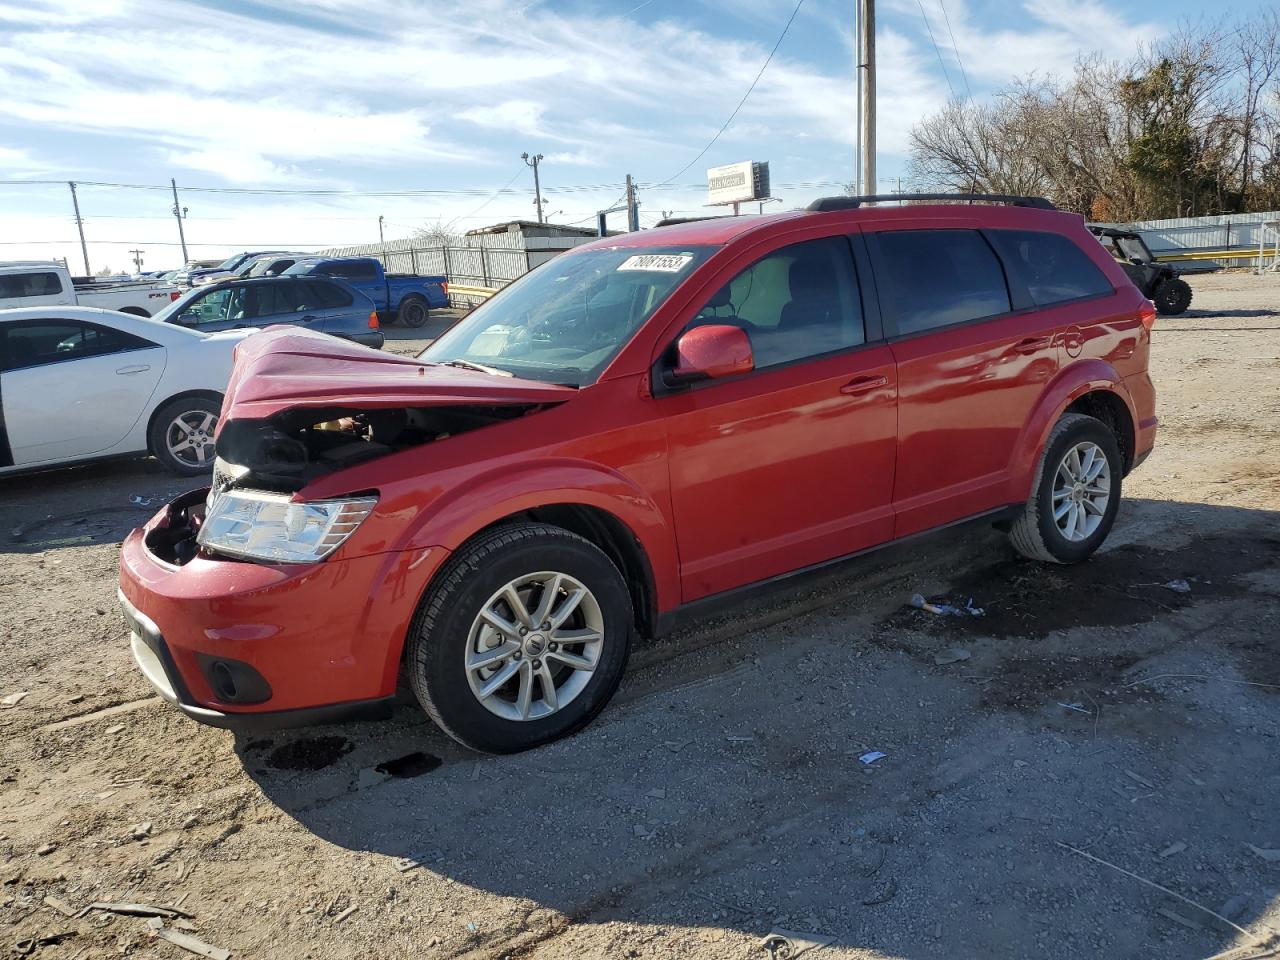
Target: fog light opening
224	684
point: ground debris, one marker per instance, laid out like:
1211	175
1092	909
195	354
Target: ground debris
1172	848
61	906
884	895
788	944
139	910
24	948
1271	856
191	944
950	655
346	913
13	699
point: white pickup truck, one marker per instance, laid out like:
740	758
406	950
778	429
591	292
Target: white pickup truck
33	283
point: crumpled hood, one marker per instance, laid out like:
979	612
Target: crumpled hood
286	368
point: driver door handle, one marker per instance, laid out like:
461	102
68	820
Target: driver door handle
860	385
130	371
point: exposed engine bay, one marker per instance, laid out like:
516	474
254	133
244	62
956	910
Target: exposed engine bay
291	449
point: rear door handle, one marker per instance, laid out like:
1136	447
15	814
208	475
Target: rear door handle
863	385
130	371
1032	344
308	318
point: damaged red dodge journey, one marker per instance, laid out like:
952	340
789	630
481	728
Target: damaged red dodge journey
640	427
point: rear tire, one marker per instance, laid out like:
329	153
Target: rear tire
181	435
1172	297
414	312
456	659
1075	498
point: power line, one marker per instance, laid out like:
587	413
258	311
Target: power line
942	63
956	50
763	67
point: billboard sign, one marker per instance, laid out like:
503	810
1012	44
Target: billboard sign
738	183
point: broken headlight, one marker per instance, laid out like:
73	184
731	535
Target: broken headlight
270	526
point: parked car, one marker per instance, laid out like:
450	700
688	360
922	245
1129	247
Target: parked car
225	270
319	303
80	384
273	265
403	297
1160	283
36	283
635	432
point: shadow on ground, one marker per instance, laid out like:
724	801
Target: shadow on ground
1094	707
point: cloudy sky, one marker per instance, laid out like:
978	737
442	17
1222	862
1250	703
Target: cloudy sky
442	96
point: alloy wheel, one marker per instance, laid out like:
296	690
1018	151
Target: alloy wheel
1081	491
534	646
189	437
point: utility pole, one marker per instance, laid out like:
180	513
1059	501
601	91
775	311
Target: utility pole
633	208
867	98
381	240
537	187
137	259
857	103
179	213
84	248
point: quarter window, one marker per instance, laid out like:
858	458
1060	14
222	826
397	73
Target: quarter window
800	301
1054	269
935	278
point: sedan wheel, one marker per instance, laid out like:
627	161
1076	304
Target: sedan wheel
189	438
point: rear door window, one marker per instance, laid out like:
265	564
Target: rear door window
274	299
326	295
1054	269
934	278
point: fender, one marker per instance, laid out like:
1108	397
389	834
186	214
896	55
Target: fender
463	511
1071	383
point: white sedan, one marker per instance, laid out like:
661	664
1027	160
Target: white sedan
80	384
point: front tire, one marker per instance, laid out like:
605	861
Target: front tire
181	435
1172	297
1076	494
522	638
414	312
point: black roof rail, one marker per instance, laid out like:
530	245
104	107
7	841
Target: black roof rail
673	221
830	204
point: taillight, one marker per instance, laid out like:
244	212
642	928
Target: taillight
445	287
1147	314
174	295
373	320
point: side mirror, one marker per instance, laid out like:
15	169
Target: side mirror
188	319
710	352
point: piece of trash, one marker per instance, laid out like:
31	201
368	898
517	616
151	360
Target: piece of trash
413	861
1172	848
657	793
1177	586
639	830
946	609
24	948
1077	707
1271	856
887	893
47	849
675	746
140	830
950	655
114	729
192	945
872	757
13	699
61	906
739	739
1136	778
141	501
472	926
155	923
789	944
346	913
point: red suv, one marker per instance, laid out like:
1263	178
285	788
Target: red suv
632	430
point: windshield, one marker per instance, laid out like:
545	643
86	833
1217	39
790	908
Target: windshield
564	321
181	304
230	262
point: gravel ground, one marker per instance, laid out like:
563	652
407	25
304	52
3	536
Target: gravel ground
1099	716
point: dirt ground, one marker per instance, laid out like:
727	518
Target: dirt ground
1099	714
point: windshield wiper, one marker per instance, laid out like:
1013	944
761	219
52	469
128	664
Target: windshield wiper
468	365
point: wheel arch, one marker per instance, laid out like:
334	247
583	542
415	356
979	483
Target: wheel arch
412	295
1091	387
213	395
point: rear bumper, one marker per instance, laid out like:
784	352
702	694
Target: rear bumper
259	646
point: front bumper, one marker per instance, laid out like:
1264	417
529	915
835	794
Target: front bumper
307	643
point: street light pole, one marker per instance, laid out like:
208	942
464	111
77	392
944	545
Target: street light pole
533	161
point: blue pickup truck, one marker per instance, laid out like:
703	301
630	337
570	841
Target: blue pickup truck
402	297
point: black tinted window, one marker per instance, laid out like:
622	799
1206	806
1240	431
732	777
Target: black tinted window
327	295
938	277
1053	268
43	284
34	343
273	299
800	301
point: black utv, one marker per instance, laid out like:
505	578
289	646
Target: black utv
1158	282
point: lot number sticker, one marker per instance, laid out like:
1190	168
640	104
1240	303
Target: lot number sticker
660	262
